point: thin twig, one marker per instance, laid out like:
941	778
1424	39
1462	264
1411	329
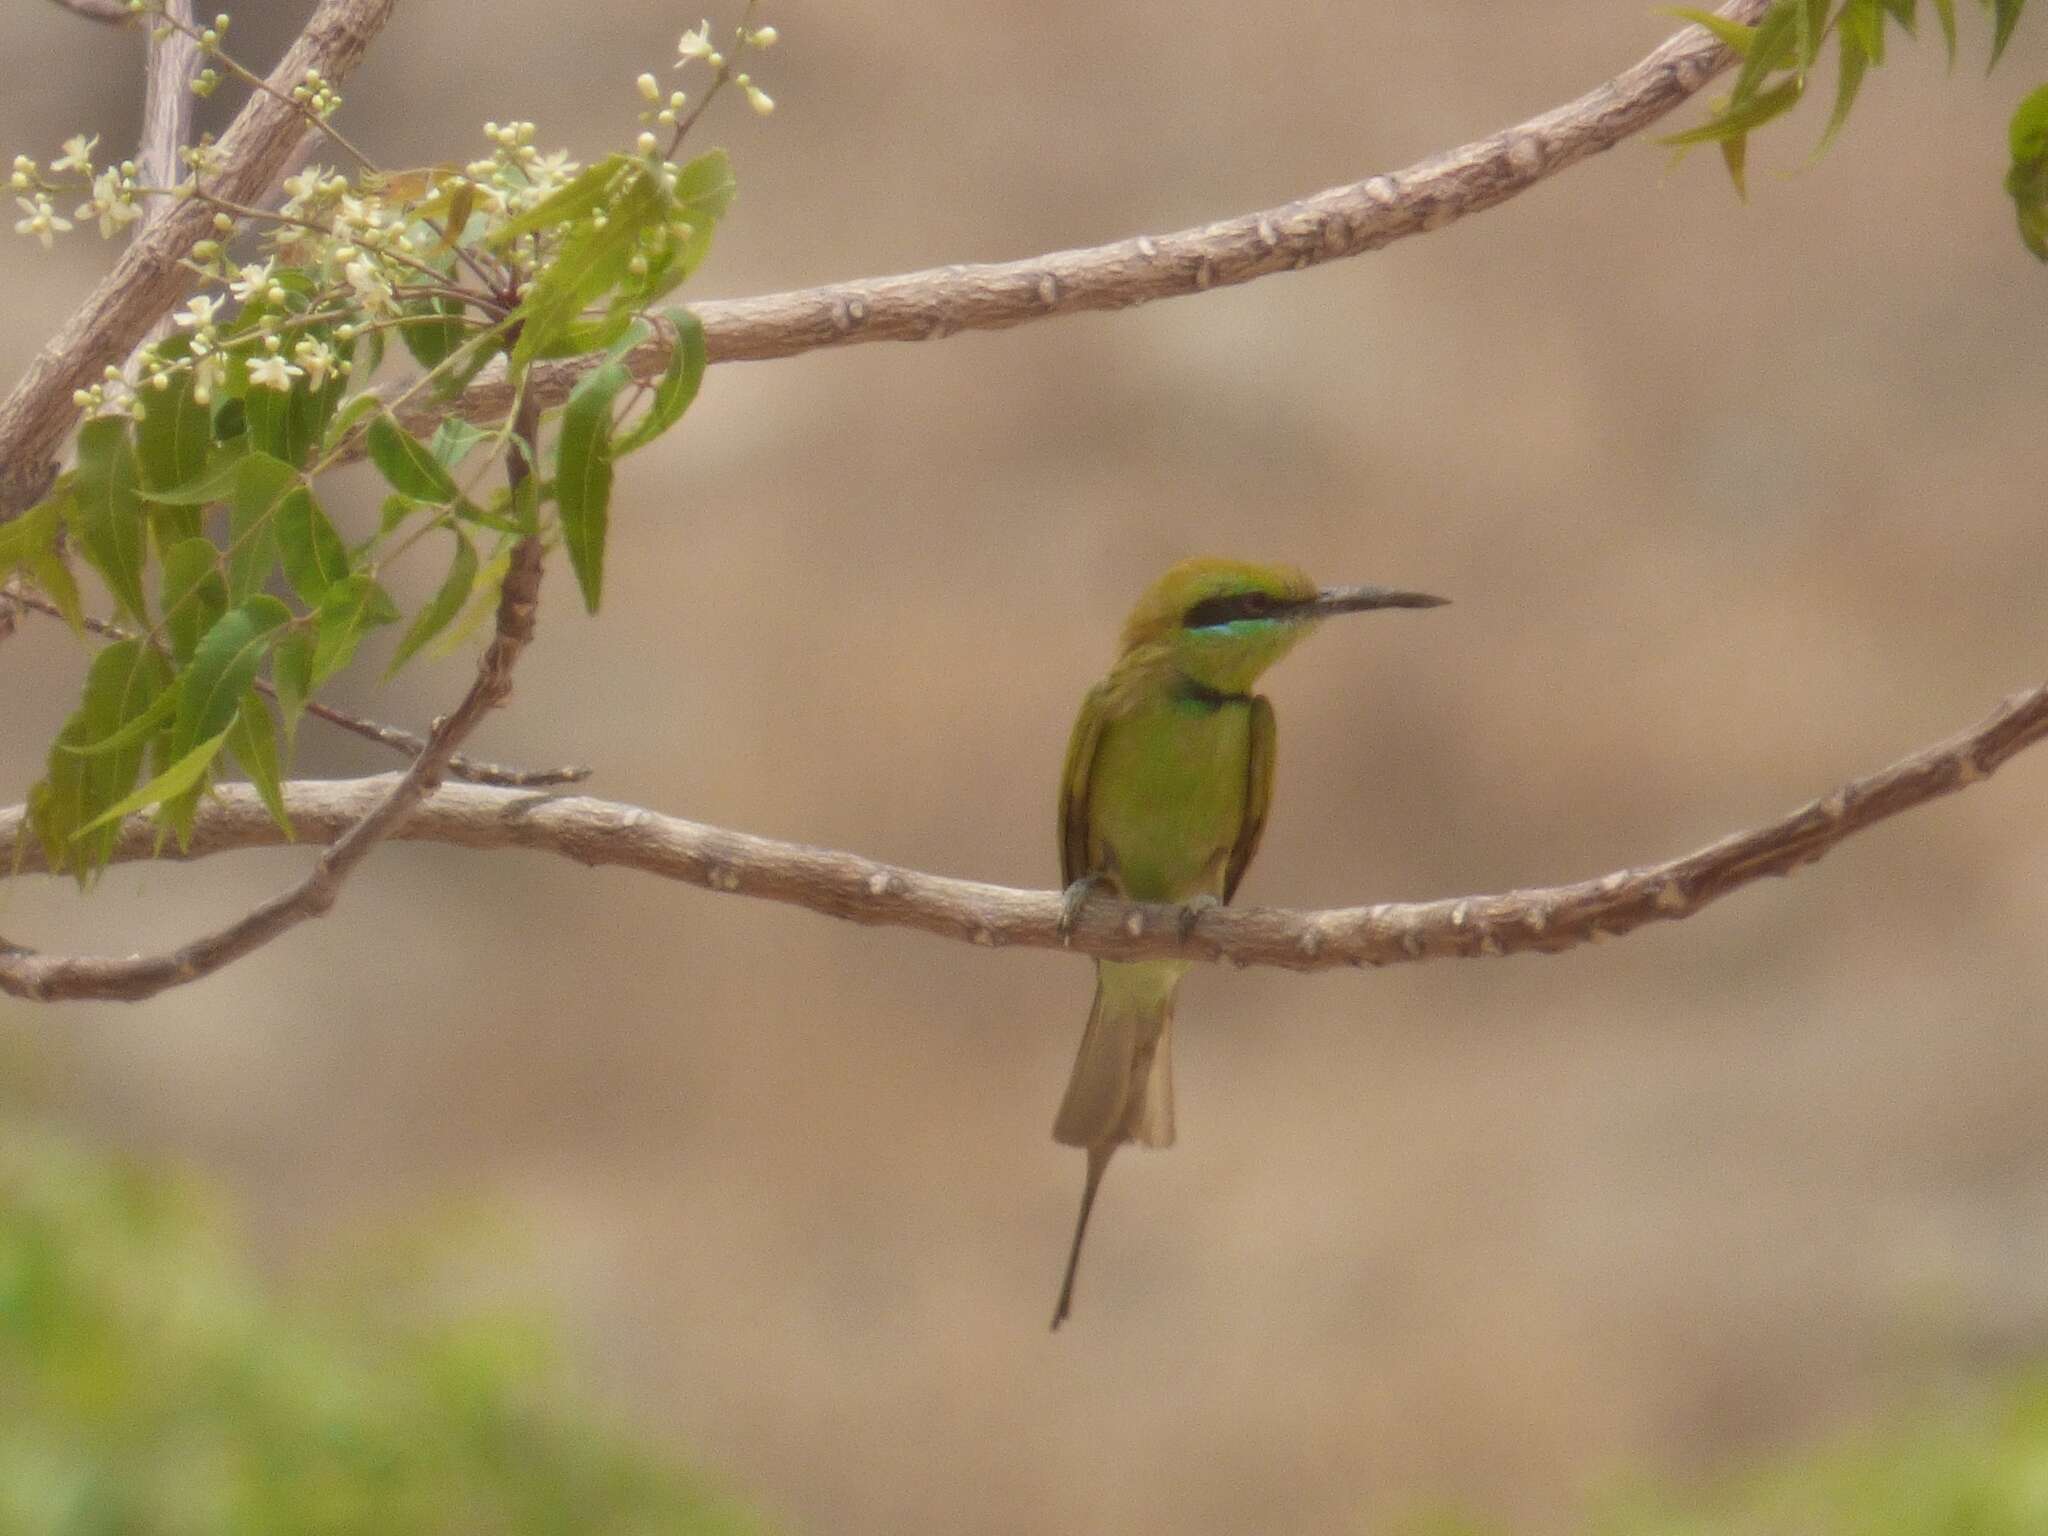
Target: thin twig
1329	225
24	973
845	885
149	279
468	769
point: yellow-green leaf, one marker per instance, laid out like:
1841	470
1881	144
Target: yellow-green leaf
446	603
106	511
261	484
223	666
1733	34
676	389
583	474
176	431
351	608
194	595
188	772
314	556
408	464
253	740
2005	16
123	684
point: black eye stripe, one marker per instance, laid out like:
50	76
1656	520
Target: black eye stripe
1211	612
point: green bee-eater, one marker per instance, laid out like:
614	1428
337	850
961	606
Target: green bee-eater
1168	779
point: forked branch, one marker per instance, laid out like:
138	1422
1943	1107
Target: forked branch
148	279
845	885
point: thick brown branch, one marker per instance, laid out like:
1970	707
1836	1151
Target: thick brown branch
148	280
598	832
1342	221
24	973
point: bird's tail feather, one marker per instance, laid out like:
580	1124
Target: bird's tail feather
1122	1084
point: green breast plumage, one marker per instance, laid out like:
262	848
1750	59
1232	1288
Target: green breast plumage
1168	795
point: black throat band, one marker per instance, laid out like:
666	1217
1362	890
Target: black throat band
1201	693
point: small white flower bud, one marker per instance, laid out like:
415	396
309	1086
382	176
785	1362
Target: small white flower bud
646	143
649	87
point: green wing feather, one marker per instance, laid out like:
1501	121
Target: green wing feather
1258	794
1075	780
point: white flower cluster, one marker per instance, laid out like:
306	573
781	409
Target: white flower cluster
695	45
111	193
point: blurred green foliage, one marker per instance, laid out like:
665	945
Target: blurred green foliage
151	1384
1979	1470
1956	1469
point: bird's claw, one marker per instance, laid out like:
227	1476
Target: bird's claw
1191	913
1072	900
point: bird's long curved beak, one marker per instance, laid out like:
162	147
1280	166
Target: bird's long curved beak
1358	599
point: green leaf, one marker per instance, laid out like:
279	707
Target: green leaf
1735	155
261	485
29	544
1738	120
1733	34
1946	10
35	531
434	329
677	388
578	197
273	424
176	431
704	188
290	424
454	440
106	512
593	258
1848	81
447	602
2026	182
351	608
253	740
2028	132
1769	50
396	510
187	773
216	482
194	595
48	570
489	583
223	666
123	684
231	422
408	464
347	418
134	733
291	675
583	473
1809	26
1862	24
2006	16
314	556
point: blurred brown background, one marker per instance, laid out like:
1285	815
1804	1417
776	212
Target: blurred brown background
1736	502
